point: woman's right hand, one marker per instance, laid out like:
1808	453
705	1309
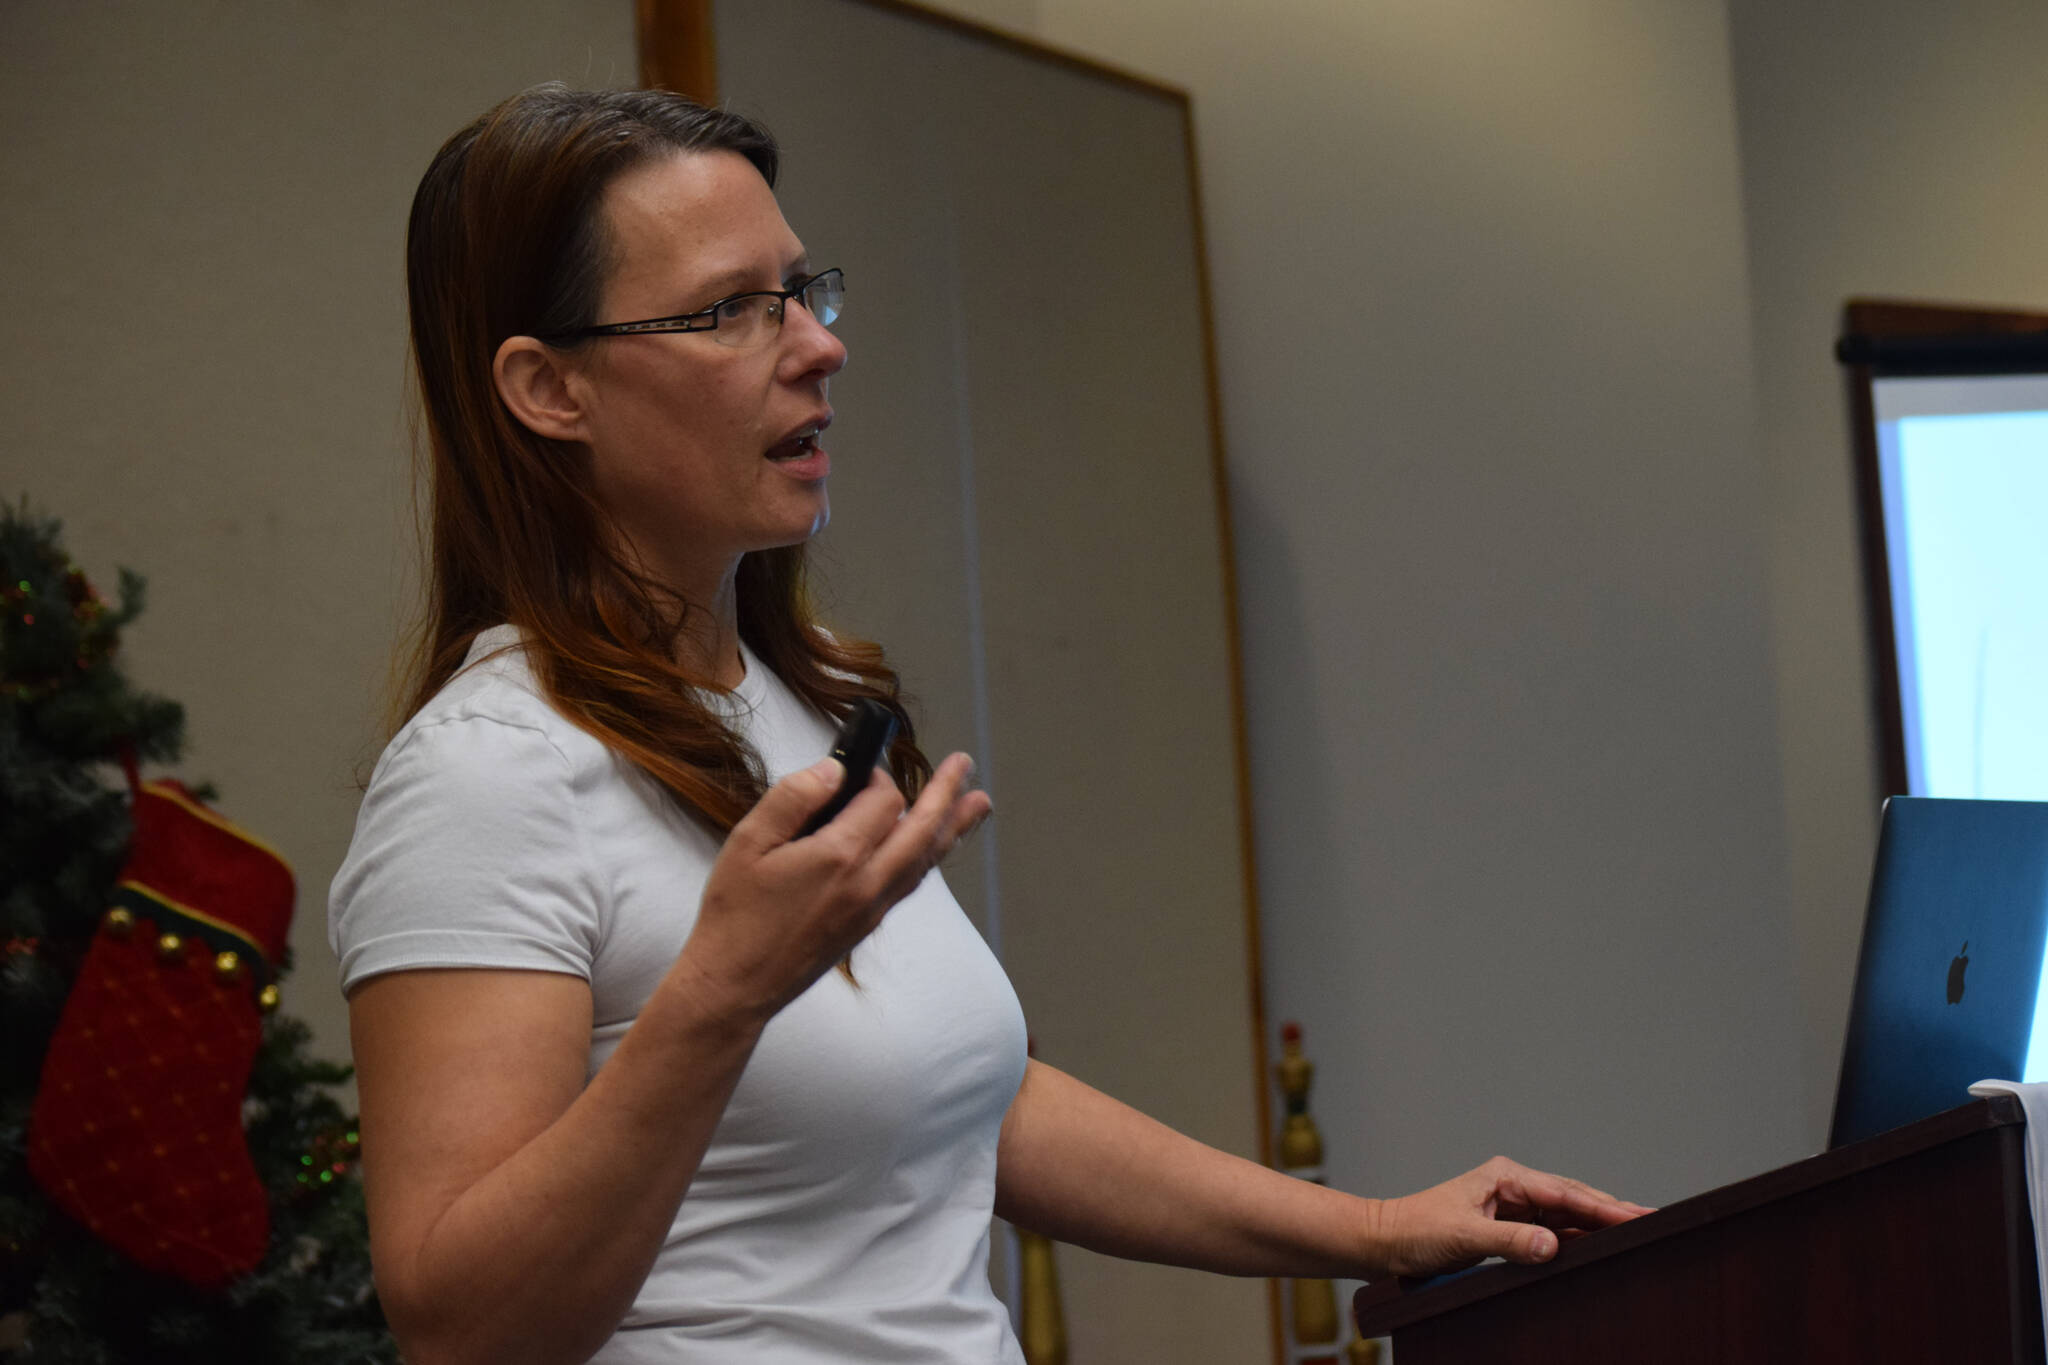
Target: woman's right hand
779	911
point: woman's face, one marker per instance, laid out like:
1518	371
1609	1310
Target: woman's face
700	449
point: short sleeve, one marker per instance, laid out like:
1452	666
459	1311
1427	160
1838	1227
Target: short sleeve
466	853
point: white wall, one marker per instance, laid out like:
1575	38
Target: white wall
1889	149
1483	314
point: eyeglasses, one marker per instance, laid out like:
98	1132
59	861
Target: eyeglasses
744	319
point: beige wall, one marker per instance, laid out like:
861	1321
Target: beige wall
1503	535
202	325
1889	149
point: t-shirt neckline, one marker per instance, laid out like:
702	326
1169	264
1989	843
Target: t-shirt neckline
750	692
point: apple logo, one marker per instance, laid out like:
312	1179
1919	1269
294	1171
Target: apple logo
1955	974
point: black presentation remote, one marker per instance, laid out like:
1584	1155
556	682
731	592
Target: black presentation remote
863	739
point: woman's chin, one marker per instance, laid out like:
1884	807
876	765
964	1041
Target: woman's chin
800	528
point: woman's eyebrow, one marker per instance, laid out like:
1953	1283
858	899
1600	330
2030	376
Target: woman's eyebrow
724	284
741	279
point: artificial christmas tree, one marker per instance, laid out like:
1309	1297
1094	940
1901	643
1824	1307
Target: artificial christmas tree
223	1291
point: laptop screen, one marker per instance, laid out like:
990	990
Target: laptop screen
1949	982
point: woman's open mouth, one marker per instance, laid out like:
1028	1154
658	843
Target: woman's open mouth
799	444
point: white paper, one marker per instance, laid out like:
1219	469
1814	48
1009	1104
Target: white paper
2034	1101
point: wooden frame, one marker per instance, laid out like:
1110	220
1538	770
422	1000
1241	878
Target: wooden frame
1886	338
678	47
678	52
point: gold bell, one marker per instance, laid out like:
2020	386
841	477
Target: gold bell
267	999
170	948
120	923
227	968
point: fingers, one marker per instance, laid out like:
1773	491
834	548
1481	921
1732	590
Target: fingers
872	813
779	909
783	809
1543	1187
965	811
897	847
946	811
1503	1216
1523	1243
1519	1194
1441	1229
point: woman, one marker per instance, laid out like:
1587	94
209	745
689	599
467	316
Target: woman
643	1071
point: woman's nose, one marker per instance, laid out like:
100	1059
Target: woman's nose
810	345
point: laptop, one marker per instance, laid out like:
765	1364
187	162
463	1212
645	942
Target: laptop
1949	980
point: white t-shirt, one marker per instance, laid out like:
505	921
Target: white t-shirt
842	1211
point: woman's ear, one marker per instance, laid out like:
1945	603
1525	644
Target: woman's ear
534	382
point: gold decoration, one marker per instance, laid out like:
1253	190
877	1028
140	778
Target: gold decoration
1312	1303
227	968
1301	1146
119	922
1314	1312
1362	1351
1041	1326
170	948
268	999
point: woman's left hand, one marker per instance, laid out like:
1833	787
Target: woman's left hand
1500	1209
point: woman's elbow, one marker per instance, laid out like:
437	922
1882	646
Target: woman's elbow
466	1329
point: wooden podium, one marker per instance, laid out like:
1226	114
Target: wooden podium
1915	1245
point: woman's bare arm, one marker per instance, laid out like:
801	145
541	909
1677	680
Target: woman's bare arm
1082	1168
514	1211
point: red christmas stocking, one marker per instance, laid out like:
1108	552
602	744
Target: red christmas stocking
137	1127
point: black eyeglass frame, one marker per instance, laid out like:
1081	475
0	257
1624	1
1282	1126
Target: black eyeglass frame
704	319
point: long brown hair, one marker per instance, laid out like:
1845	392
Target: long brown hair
507	238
